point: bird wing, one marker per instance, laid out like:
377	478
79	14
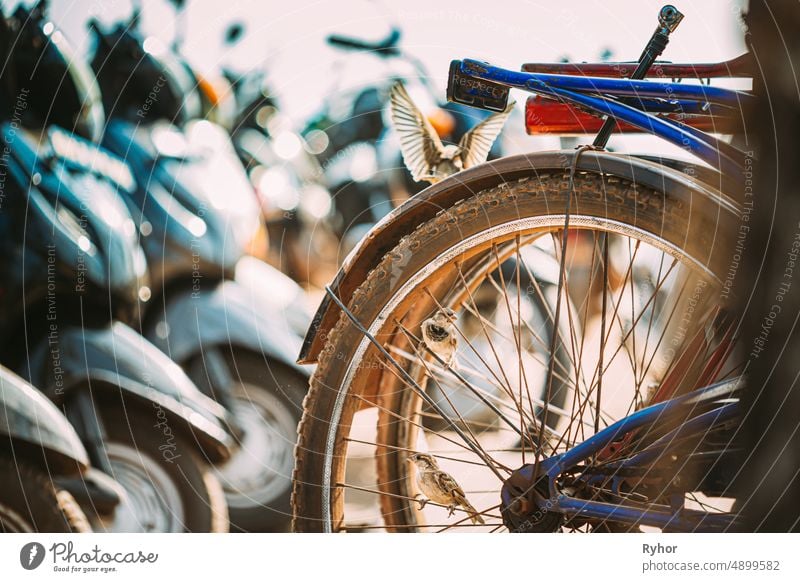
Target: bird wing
453	341
419	143
476	143
447	483
454	490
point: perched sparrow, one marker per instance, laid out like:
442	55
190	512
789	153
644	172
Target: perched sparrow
440	487
440	336
423	152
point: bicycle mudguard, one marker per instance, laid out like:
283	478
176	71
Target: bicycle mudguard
116	358
425	205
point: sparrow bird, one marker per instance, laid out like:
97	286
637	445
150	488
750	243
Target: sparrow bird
423	152
439	335
440	487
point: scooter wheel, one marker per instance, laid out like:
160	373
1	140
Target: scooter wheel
168	486
266	399
29	502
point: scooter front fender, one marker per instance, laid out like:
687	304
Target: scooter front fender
36	430
116	357
266	286
226	315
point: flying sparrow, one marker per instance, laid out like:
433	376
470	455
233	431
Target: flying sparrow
423	152
440	487
440	336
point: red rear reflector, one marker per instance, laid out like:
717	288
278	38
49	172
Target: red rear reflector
546	116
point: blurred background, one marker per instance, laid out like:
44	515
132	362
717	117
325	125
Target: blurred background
287	41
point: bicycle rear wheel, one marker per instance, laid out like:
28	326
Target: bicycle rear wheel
626	342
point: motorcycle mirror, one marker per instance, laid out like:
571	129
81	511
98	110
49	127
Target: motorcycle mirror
93	25
393	39
38	10
100	37
234	33
136	16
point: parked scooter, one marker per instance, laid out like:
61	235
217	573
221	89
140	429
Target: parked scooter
72	265
195	212
38	447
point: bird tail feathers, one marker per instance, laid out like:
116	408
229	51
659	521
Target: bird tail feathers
473	513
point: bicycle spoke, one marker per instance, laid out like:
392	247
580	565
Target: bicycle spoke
414	499
522	379
509	391
484	513
417	425
498	401
599	396
466	384
405	449
536	336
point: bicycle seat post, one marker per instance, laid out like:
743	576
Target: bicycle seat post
668	20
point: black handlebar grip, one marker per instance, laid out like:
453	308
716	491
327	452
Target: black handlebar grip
347	42
386	47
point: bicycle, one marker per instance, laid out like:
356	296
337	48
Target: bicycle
644	436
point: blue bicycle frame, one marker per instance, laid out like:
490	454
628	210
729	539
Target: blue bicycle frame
723	409
619	98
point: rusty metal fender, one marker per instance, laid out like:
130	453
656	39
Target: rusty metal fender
425	205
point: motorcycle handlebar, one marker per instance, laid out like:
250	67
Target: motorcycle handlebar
385	48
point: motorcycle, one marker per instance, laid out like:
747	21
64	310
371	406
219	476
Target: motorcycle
73	274
227	319
38	447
